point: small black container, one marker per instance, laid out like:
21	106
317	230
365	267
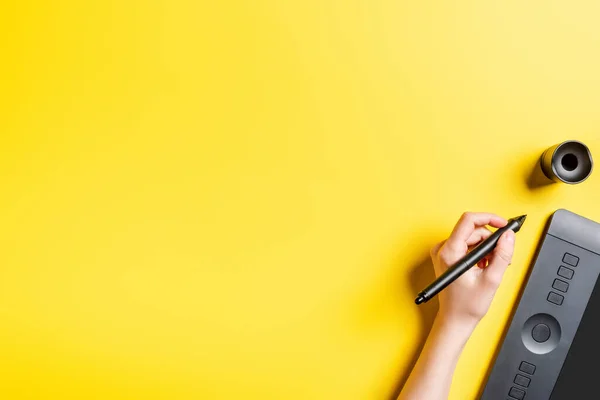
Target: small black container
569	162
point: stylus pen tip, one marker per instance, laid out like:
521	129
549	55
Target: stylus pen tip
419	300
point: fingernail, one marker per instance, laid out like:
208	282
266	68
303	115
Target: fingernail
510	236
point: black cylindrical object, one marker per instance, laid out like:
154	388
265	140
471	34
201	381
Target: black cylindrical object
569	162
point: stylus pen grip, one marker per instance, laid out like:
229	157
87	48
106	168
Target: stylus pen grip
467	262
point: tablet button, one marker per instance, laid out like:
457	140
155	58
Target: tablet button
527	368
540	333
516	393
522	380
571	259
565	272
555	298
560	285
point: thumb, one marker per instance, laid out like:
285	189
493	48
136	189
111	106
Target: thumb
501	258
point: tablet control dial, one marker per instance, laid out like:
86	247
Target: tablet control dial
541	333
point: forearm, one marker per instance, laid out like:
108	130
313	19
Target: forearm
431	376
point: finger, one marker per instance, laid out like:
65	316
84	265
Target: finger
434	255
436	249
478	235
501	258
467	225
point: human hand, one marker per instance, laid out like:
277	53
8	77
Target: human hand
466	300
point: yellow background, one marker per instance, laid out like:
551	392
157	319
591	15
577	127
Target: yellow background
226	200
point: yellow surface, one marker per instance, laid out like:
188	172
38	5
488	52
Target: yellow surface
234	200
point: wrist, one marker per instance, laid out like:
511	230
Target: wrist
457	327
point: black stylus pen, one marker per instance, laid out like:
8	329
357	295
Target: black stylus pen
468	261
